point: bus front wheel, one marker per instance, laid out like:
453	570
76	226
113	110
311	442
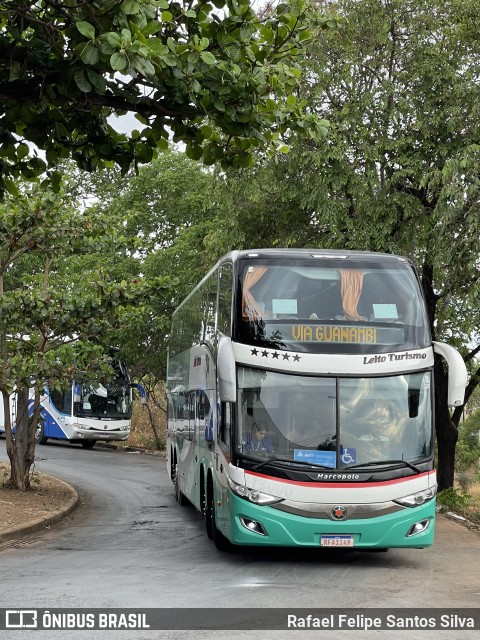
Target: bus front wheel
39	435
220	541
88	444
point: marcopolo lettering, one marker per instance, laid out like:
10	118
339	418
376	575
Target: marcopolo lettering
338	476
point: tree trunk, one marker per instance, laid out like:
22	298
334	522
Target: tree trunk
151	419
21	444
446	430
447	433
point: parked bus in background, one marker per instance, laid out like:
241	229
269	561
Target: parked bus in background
300	401
86	413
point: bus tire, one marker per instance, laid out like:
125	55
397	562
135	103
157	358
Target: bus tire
209	514
172	467
88	444
220	541
39	435
179	496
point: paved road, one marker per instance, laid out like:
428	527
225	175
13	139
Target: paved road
129	544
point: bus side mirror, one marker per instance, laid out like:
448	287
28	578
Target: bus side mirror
457	373
227	386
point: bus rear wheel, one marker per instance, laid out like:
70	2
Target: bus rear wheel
208	517
180	497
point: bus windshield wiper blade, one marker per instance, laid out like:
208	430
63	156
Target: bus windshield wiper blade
312	465
385	462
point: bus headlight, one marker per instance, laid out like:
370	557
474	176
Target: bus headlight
416	499
253	495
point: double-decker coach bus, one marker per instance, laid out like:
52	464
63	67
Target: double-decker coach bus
300	401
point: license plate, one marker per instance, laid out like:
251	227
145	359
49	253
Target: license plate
337	541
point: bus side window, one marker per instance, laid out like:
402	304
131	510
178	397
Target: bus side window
203	411
225	299
61	400
56	398
225	430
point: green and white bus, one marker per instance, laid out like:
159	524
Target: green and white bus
300	401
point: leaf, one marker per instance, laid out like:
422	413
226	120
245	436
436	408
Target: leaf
86	29
80	80
194	151
11	187
113	39
130	7
90	54
152	27
118	61
22	151
97	80
208	57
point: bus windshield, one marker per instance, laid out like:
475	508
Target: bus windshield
334	422
328	306
102	401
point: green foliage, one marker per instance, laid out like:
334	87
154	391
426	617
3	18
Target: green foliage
216	77
167	211
454	500
467	459
54	284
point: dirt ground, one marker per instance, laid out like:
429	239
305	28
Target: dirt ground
21	507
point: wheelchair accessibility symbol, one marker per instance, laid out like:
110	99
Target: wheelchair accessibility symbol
348	456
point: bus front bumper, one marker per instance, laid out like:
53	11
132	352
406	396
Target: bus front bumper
96	434
278	528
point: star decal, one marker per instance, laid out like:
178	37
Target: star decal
275	355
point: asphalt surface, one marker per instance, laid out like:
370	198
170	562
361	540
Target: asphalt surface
129	544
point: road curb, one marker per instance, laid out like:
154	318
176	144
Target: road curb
131	449
44	522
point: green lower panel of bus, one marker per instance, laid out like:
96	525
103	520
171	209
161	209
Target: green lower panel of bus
272	527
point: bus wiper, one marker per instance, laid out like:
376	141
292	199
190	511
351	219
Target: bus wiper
384	462
312	465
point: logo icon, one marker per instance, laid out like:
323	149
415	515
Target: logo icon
339	512
21	619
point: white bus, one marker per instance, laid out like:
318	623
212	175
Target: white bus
300	401
85	413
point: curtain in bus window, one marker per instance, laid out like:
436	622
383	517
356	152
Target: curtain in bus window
250	306
351	282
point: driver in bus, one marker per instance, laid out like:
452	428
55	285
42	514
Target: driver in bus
258	440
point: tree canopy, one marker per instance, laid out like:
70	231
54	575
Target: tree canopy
212	75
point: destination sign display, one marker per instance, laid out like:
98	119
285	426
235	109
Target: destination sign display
342	334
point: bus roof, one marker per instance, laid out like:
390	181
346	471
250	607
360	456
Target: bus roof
313	254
